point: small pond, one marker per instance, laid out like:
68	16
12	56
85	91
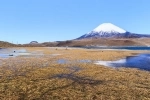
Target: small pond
6	53
141	61
64	61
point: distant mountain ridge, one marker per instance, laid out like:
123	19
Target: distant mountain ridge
108	30
6	44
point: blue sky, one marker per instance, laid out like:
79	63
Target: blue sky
55	20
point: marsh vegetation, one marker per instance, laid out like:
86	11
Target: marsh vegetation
71	75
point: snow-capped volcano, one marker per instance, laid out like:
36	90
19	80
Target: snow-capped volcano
105	30
108	28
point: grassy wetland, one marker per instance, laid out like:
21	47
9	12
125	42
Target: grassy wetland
70	74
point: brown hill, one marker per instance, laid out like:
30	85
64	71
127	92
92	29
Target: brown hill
6	44
107	42
86	42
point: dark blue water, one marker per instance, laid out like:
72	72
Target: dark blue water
141	61
120	47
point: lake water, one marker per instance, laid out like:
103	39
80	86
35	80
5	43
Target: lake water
141	61
120	47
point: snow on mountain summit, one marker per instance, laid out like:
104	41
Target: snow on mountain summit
109	28
105	30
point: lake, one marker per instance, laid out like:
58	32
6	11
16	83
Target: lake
119	47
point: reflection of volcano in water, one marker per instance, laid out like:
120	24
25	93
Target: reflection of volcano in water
141	61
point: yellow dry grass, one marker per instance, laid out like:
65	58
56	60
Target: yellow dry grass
42	78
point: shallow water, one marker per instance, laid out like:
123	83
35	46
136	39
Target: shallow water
64	61
6	53
61	61
141	61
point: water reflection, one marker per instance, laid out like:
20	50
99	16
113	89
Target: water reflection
141	61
